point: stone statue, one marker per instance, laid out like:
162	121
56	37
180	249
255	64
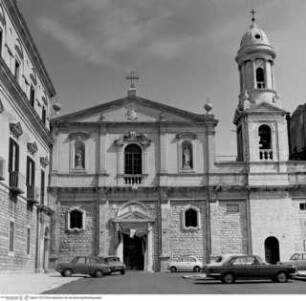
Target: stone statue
187	159
79	158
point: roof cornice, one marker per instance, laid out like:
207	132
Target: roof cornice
21	100
26	36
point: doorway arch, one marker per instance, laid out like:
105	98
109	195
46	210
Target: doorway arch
271	249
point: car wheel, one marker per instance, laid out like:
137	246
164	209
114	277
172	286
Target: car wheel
173	269
228	278
67	273
197	269
99	273
281	277
62	274
122	272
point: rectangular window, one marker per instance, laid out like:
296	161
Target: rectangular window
42	188
28	240
32	96
43	115
13	156
1	40
13	163
303	206
11	242
17	70
30	172
232	208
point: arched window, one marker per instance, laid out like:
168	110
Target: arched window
187	157
264	133
265	145
191	218
133	160
260	78
79	154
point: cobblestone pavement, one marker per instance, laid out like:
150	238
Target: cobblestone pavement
32	283
35	283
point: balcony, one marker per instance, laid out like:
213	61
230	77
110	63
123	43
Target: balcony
266	154
17	182
32	194
132	180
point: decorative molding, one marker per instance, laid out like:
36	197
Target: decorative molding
33	78
83	212
129	137
16	129
9	50
32	147
79	136
44	161
131	113
186	135
191	228
19	51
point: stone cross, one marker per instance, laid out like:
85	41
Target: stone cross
132	77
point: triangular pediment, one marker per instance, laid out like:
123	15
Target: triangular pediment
132	109
135	216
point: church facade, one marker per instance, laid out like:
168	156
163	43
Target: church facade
139	179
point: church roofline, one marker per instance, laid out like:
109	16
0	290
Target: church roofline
137	100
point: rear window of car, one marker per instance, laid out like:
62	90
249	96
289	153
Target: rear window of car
92	260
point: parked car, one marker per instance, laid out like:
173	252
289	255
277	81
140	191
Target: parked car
186	264
298	260
114	264
231	267
92	266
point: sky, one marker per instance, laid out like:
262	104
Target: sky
183	51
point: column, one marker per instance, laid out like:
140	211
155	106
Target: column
150	248
102	153
120	170
254	75
162	150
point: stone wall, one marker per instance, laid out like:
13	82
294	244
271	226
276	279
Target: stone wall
17	211
187	241
74	243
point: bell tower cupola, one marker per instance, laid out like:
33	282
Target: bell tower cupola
255	60
261	125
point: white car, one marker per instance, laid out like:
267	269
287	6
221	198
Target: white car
186	264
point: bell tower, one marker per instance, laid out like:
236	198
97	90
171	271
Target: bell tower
260	121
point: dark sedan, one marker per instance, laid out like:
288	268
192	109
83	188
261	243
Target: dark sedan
92	266
231	267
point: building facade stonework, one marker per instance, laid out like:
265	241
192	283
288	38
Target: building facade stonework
25	141
140	179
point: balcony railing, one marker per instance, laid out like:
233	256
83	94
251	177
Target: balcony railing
265	154
32	194
17	182
132	179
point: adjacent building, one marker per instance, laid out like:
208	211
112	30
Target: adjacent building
25	143
139	179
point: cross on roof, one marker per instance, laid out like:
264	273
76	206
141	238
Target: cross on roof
253	12
132	77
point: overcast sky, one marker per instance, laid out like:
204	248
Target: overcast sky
183	50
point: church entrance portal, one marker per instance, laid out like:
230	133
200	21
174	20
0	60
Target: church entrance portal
271	250
133	252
